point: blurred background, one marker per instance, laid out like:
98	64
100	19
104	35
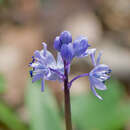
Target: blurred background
24	24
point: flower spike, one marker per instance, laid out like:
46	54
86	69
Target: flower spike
45	67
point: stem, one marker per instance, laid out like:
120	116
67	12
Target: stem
77	77
67	99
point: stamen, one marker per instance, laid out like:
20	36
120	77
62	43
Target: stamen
31	73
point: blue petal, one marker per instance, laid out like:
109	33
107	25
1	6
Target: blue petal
98	58
101	67
67	52
37	54
60	63
91	51
98	84
65	37
40	66
88	52
42	84
57	43
55	74
50	60
52	77
93	59
80	45
47	57
95	93
37	77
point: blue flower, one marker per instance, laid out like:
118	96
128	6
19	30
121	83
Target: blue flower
45	67
98	75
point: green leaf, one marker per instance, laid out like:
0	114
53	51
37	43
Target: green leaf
42	109
110	114
10	119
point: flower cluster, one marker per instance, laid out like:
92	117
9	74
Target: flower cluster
69	50
45	67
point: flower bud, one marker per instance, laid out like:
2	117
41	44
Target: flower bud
67	52
57	43
80	45
65	37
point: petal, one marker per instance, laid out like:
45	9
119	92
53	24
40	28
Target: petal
98	84
105	77
53	76
92	55
45	57
98	58
40	66
48	59
37	77
60	63
91	51
100	67
37	54
95	93
88	52
39	57
42	84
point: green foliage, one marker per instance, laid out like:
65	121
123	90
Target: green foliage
88	112
112	113
1	1
10	119
42	109
2	84
7	116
